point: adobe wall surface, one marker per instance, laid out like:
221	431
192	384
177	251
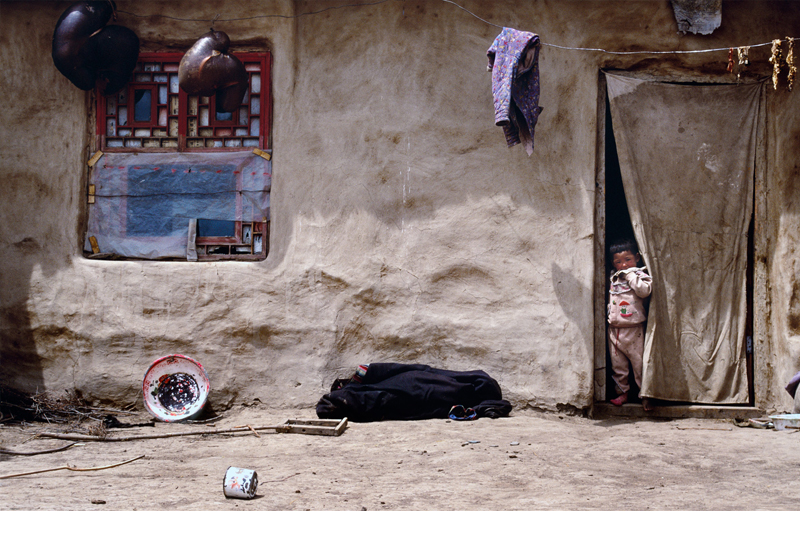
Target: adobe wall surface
403	228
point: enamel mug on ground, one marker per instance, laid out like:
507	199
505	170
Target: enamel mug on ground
240	483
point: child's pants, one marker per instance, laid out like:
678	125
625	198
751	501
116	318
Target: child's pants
626	344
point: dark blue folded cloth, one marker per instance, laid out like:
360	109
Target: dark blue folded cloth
396	391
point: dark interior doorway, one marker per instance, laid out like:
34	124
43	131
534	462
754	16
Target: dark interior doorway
618	226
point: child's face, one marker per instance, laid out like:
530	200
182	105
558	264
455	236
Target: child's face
625	260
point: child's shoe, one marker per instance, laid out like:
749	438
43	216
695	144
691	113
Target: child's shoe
619	400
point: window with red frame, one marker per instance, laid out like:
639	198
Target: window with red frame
153	115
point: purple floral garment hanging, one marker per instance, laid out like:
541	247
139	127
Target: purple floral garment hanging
514	61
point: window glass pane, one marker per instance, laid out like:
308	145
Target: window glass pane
141	108
224	116
216	228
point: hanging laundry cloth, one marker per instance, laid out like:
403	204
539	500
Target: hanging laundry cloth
514	62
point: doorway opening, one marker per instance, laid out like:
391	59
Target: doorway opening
614	222
618	227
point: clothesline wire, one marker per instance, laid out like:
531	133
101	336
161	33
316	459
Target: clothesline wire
644	52
473	14
648	52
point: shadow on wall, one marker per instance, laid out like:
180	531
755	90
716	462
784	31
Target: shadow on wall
570	293
20	362
38	186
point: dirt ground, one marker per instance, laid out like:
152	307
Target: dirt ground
529	461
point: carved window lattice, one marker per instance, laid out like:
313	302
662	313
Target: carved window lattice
153	114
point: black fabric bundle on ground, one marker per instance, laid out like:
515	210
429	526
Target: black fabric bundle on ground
395	391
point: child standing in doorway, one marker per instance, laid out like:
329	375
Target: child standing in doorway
628	293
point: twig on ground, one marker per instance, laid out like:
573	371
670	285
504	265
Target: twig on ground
72	468
68	436
9	452
709	429
203	421
249	427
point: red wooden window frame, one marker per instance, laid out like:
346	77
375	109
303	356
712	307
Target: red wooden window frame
216	248
187	111
132	88
189	137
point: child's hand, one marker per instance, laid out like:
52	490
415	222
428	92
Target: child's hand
631	275
639	281
632	270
